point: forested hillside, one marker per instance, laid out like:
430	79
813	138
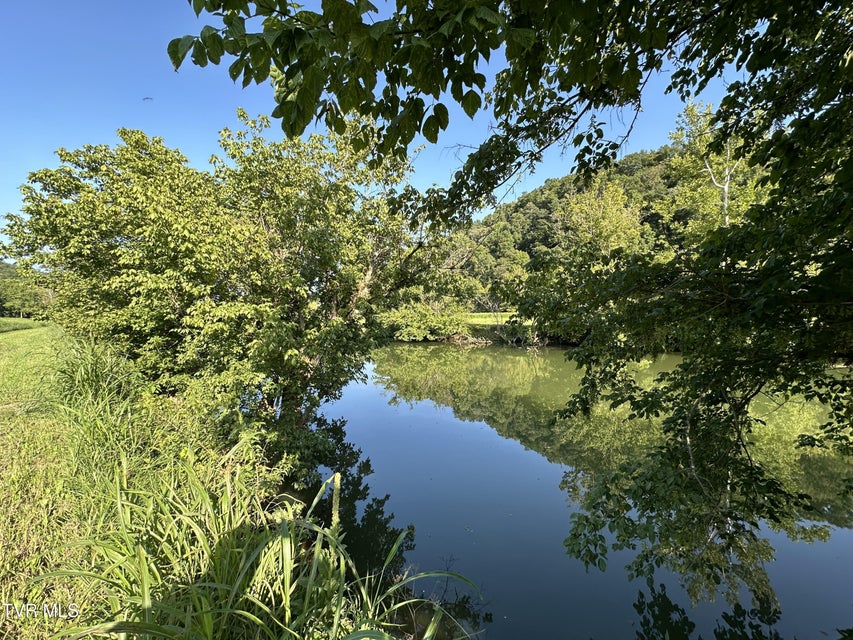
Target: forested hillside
528	255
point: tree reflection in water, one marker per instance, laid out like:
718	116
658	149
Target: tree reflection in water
660	617
370	538
697	517
697	504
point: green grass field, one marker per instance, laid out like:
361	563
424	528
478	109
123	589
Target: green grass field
38	505
487	319
15	324
492	327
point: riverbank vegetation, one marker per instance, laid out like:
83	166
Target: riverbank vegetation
172	429
757	299
214	318
126	515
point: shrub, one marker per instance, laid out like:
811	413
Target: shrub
416	321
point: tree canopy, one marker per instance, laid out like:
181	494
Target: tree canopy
784	270
257	284
563	63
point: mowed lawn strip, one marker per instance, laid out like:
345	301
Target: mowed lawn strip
37	518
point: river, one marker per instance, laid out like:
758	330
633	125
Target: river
464	443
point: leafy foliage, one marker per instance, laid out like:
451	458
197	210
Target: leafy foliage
562	65
759	304
710	190
255	288
764	282
18	297
200	556
588	226
426	320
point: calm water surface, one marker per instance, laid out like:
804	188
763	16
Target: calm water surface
463	442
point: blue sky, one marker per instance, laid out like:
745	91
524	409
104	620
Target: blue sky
75	72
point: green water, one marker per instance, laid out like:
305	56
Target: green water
465	445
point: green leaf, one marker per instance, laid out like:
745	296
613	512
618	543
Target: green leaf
471	103
488	15
199	54
232	46
270	36
248	75
430	129
236	25
178	49
206	32
379	29
289	112
213	43
236	68
522	37
313	83
266	7
368	635
440	112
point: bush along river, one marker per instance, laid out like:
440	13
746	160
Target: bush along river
464	446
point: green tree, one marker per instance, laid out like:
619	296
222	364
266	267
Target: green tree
710	190
256	286
585	228
484	260
401	65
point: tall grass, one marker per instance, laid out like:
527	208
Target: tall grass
174	537
216	564
98	393
114	414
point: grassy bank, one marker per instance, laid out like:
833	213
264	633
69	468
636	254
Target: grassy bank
39	507
486	326
15	324
487	319
495	327
123	513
